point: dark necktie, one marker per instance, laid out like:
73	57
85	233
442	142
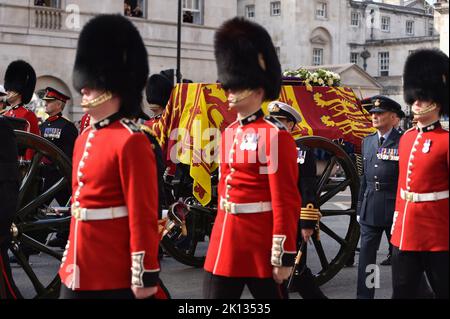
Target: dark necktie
381	141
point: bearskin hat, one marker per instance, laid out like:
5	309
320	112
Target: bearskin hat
21	78
246	58
111	56
426	77
158	90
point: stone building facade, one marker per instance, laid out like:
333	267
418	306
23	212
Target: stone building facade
44	33
375	35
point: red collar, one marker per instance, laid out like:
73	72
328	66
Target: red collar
54	117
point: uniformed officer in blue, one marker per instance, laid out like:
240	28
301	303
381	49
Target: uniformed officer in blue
63	133
378	188
303	282
57	129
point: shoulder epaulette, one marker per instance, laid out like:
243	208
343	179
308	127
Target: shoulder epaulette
275	122
130	125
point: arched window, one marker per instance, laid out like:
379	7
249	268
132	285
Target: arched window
321	43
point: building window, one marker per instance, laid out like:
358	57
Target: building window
47	3
250	11
275	8
383	62
193	11
134	8
317	56
354	56
430	28
386	24
355	19
321	10
410	27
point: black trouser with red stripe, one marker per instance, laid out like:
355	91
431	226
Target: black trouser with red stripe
8	289
219	287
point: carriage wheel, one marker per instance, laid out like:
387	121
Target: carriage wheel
339	230
34	219
190	248
337	197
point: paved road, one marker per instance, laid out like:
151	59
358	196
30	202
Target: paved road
186	282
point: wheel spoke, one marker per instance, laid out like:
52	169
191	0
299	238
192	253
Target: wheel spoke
38	287
42	198
332	234
29	177
321	253
330	194
325	175
54	224
31	242
337	212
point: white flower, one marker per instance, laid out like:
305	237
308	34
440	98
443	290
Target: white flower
330	82
321	82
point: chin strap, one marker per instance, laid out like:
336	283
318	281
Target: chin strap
97	101
430	108
241	97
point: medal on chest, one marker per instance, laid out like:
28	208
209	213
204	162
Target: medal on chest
51	132
388	154
426	146
249	142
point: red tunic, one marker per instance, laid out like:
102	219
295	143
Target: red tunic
85	121
113	166
19	111
250	244
422	226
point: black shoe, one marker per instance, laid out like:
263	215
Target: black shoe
306	286
57	242
387	261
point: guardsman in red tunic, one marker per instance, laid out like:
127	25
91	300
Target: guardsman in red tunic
253	242
112	250
20	81
420	231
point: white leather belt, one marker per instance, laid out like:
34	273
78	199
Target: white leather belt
85	214
424	197
247	208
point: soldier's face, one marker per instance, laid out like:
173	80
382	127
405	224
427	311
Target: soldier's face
382	121
13	97
242	99
425	110
289	124
52	107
